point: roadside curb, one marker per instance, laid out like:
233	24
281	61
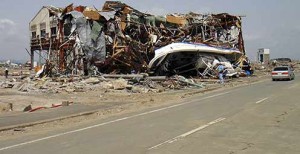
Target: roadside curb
49	120
64	117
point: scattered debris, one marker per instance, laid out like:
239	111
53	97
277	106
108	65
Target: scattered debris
37	108
120	49
19	129
6	107
64	103
188	81
119	84
27	108
119	39
91	80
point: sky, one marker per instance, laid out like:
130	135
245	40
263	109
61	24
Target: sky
272	24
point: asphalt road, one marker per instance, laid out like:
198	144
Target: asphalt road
260	118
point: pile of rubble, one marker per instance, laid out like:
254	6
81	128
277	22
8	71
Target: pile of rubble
77	84
119	39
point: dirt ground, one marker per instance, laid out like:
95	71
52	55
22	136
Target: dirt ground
97	94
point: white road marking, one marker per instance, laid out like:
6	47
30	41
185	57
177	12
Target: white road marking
106	123
260	101
292	86
187	133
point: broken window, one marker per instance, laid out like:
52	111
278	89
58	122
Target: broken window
33	35
53	31
51	14
43	33
67	29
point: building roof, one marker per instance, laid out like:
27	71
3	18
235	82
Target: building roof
52	9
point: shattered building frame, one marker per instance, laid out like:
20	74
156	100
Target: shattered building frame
121	39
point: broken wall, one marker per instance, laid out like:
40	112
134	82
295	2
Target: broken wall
121	39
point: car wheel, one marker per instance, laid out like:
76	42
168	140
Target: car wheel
273	80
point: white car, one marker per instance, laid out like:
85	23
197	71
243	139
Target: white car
283	73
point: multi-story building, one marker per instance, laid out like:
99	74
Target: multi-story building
44	38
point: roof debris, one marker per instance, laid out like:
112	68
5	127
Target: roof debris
119	39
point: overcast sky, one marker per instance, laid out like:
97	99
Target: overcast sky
272	24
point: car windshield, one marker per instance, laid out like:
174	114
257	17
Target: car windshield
281	69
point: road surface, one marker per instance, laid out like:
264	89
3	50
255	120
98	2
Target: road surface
259	118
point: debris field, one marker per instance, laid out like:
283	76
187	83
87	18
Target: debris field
88	55
119	39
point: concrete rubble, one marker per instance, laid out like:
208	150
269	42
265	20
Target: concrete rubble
22	91
85	84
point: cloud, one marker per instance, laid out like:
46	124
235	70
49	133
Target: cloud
4	22
7	27
13	39
10	31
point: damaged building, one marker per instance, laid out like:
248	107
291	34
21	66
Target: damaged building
120	39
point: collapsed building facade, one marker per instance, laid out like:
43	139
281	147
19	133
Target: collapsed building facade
121	39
